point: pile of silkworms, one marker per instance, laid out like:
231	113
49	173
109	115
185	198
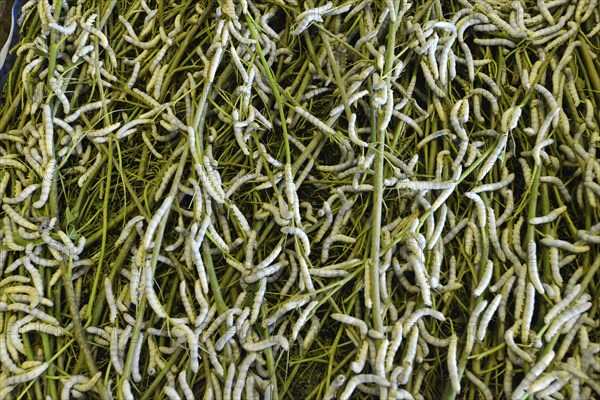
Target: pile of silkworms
301	199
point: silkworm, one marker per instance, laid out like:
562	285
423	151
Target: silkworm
28	376
487	317
22	196
87	384
90	171
491	160
127	229
322	126
472	325
452	363
110	300
563	304
535	371
480	207
551	216
564	245
494	186
358	323
151	296
18	219
362	379
510	342
532	266
56	88
485	279
527	311
300	234
415	316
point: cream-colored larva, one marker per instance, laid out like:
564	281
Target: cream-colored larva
485	279
452	363
491	160
6	359
300	234
527	312
510	342
493	235
185	300
88	384
494	186
563	304
358	323
56	88
564	245
532	267
18	219
65	393
533	373
480	207
361	380
322	126
487	317
24	377
114	351
243	368
110	300
127	229
46	184
415	316
171	393
188	393
472	325
502	280
151	296
126	390
302	318
554	265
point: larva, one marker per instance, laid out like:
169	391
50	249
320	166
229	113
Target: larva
135	364
493	235
472	325
563	304
323	127
532	266
491	160
358	323
361	380
485	279
494	186
266	343
551	216
452	363
6	359
17	218
527	311
530	377
126	390
127	229
46	184
24	377
564	245
110	300
487	317
510	342
485	391
300	234
114	351
243	368
480	207
88	383
56	88
151	296
415	316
